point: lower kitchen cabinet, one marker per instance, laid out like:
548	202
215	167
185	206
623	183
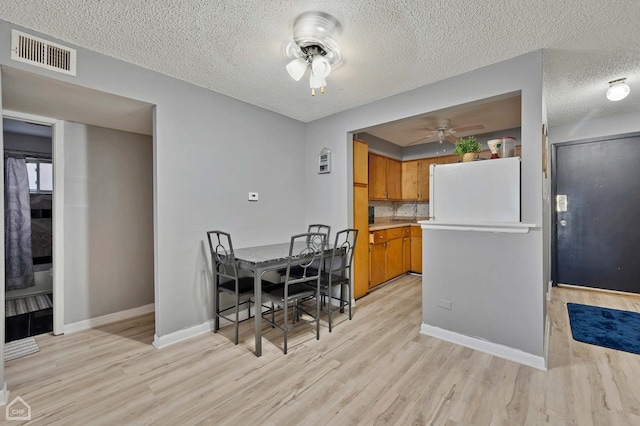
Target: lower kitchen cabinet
416	249
389	254
377	264
406	249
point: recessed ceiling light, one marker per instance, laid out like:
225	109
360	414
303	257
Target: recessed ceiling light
618	90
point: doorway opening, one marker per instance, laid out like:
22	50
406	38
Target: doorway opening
28	196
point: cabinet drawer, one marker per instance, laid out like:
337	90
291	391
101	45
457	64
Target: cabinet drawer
416	231
378	237
393	233
406	231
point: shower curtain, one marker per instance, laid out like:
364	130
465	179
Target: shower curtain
17	231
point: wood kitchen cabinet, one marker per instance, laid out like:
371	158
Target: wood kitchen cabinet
406	249
360	218
416	249
385	178
386	255
415	178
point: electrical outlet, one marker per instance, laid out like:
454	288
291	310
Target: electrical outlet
444	303
253	196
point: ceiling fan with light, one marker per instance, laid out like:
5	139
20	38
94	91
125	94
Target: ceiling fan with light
444	131
314	47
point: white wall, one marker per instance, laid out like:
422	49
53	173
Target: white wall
108	215
595	128
522	298
209	150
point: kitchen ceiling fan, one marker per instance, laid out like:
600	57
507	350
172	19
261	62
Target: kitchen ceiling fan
444	131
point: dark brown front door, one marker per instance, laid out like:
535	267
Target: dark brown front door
598	236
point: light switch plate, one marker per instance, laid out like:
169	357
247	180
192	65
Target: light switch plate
253	196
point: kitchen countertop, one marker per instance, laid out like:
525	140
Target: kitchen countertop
388	222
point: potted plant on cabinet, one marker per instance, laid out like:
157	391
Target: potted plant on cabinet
466	148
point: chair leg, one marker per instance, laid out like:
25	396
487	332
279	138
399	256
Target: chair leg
329	307
237	316
273	315
216	308
318	302
285	327
349	296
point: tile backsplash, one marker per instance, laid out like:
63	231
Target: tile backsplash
400	209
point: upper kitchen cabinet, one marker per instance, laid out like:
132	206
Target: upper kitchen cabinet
385	178
360	173
415	178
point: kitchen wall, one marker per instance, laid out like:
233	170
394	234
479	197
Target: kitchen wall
513	316
108	221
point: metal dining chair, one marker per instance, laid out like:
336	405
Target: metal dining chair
305	250
226	280
337	273
317	228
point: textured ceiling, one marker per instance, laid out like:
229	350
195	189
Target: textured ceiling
389	46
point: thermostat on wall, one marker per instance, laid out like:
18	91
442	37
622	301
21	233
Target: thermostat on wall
324	161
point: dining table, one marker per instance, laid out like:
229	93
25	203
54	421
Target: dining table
261	259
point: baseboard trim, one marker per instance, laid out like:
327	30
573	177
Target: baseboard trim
186	333
178	336
4	394
485	346
109	318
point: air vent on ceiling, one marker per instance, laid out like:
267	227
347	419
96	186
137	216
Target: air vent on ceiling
42	53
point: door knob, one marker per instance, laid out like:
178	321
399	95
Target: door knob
563	222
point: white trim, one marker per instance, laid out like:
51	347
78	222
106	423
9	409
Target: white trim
58	227
186	333
109	318
547	332
178	336
511	354
501	227
4	394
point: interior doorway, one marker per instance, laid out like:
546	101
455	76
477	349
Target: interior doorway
597	183
33	304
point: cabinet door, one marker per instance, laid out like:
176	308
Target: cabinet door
450	159
361	251
394	258
394	179
360	162
410	180
416	254
377	177
378	273
406	254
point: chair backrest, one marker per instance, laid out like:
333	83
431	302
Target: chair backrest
306	251
222	257
323	229
342	254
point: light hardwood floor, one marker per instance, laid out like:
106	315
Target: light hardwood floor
375	369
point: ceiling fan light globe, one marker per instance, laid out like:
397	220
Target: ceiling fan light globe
618	91
296	68
321	66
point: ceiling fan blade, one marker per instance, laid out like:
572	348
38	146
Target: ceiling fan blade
451	139
467	128
419	140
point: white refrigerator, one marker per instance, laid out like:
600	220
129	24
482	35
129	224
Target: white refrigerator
476	192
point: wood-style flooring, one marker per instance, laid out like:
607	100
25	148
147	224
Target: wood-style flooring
375	369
